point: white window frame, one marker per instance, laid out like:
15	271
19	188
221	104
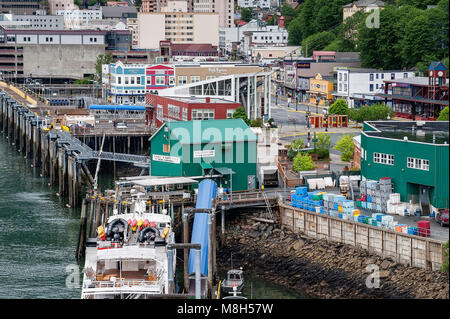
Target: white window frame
382	158
160	80
418	163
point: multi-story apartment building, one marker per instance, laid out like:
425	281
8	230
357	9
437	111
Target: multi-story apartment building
56	5
361	5
74	19
148	6
254	3
20	6
36	22
360	86
132	25
225	9
178	27
57	53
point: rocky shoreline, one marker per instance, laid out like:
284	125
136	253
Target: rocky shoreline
322	269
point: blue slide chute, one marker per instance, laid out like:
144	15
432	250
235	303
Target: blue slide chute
206	194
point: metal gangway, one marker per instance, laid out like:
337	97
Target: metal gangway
84	152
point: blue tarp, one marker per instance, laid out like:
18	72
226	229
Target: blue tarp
206	193
118	107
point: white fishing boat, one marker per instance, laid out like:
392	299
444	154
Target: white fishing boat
129	259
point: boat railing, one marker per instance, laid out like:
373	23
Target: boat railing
125	283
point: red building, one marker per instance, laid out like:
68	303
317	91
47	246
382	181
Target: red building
419	98
161	109
159	77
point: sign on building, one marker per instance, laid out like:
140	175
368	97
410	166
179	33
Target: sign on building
166	159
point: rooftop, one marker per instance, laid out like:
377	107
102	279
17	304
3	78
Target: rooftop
430	132
196	100
365	3
418	80
367	70
209	131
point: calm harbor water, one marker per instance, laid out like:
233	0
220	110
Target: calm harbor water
38	236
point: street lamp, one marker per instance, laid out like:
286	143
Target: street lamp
325	112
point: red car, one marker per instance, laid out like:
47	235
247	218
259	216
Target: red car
442	217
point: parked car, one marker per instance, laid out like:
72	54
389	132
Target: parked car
442	217
121	125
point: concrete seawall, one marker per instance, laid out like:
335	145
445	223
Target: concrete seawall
322	268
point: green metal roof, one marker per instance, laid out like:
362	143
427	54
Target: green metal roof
210	131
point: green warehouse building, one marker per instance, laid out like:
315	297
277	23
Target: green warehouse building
414	154
222	149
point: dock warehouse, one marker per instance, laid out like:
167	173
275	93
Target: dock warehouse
227	148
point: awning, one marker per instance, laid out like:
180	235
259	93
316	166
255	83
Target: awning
224	170
206	165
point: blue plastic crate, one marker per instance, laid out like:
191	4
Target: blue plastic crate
301	190
340	215
369	199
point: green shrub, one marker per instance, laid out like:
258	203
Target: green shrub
345	145
444	266
339	107
303	162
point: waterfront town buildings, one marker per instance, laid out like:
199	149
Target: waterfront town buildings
418	98
36	22
250	35
161	109
320	90
128	83
231	153
22	7
28	51
361	5
360	86
57	5
254	3
414	154
177	27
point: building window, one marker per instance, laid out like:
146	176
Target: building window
371	87
345	77
345	87
173	111
201	114
159	112
138	80
185	114
166	148
126	80
340	76
171	80
371	76
182	79
405	75
382	75
380	158
195	78
230	113
376	76
392	76
418	163
132	80
119	80
159	80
